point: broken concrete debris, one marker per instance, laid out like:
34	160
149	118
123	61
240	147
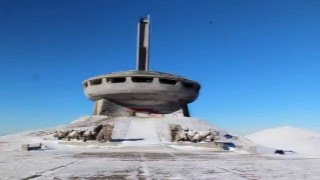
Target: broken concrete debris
181	133
30	147
102	133
105	133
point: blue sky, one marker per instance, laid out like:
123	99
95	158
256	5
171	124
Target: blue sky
258	61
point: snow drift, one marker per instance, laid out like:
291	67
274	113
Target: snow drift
300	140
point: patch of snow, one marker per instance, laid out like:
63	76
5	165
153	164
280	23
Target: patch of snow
289	138
89	121
189	148
141	131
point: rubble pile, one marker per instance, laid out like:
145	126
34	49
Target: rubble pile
100	133
180	133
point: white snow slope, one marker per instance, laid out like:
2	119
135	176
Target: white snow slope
301	141
152	157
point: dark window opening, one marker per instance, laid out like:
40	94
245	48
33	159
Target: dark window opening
116	80
168	81
142	79
85	84
187	85
96	82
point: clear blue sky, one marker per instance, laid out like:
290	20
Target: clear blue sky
258	61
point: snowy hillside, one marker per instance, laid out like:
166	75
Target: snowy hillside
299	140
142	149
128	130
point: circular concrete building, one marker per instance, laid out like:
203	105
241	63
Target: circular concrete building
143	90
148	91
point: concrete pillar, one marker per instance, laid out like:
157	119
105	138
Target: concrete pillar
185	110
98	107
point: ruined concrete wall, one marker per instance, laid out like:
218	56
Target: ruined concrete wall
108	108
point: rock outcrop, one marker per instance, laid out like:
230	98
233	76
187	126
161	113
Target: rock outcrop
100	132
105	133
181	133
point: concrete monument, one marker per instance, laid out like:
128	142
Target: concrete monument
142	90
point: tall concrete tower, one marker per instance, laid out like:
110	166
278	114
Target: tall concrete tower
142	90
143	45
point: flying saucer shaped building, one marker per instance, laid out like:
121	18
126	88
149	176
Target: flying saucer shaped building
141	90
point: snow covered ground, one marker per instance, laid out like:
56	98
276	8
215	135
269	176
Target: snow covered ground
143	151
301	141
153	162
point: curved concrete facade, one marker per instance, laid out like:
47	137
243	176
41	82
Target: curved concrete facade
143	90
